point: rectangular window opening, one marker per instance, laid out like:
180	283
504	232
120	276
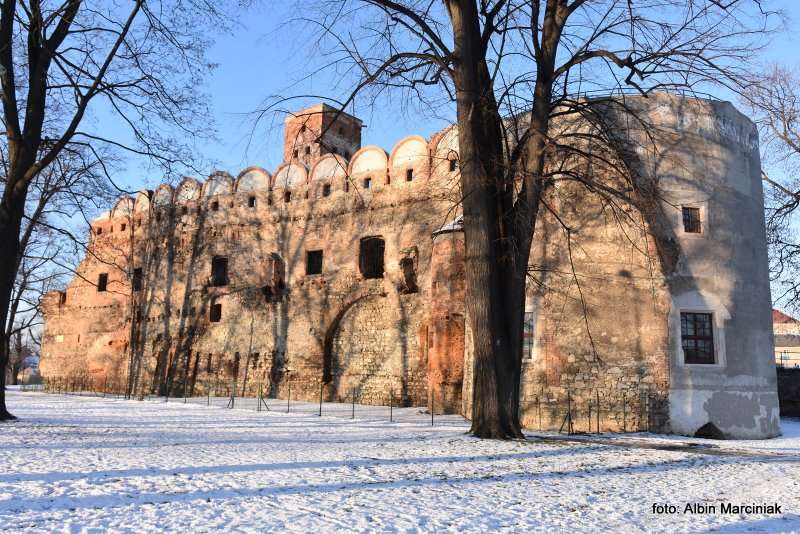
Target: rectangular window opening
697	338
453	165
122	227
691	220
528	331
102	282
367	183
215	313
251	201
287	196
326	190
314	262
215	206
409	175
137	279
219	271
370	257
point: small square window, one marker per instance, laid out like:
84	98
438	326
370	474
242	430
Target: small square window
98	231
122	227
453	165
314	262
409	175
326	190
251	201
184	210
308	150
102	282
691	220
697	338
367	183
215	206
287	196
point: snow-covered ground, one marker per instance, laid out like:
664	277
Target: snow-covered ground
75	464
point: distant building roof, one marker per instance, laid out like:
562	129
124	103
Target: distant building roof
780	317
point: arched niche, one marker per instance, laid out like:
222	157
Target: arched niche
290	175
163	196
411	152
188	190
330	166
142	203
219	183
370	159
122	208
253	179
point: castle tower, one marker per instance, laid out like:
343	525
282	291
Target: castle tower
313	132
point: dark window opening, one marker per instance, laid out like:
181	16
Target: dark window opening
99	231
370	257
409	175
346	185
306	193
453	165
122	227
367	183
251	202
287	196
296	153
219	271
102	282
697	337
341	130
184	210
269	200
409	283
691	220
303	128
215	314
215	206
62	297
314	262
308	150
326	190
137	279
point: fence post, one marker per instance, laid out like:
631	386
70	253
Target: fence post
589	431
433	405
353	413
289	394
597	397
391	404
624	413
321	386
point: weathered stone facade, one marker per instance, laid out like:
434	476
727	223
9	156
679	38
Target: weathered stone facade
222	283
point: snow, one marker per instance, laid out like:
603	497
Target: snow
89	464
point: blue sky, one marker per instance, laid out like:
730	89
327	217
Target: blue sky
265	55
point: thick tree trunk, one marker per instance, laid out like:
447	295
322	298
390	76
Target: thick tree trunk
10	223
488	266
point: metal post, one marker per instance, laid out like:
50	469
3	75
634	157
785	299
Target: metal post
433	403
597	397
208	396
289	395
569	412
391	404
590	418
353	413
321	386
624	413
539	410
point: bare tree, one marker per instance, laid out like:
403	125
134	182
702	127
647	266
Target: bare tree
61	62
774	101
515	69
